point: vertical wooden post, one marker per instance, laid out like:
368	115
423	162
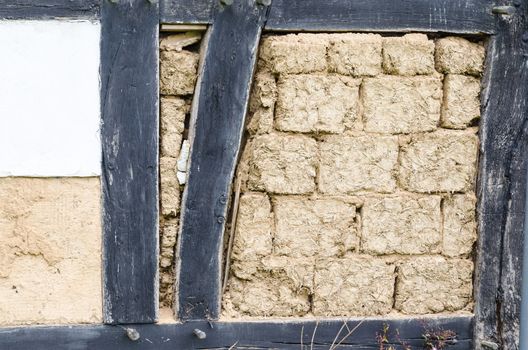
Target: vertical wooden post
502	184
129	132
218	122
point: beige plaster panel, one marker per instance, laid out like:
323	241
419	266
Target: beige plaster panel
50	269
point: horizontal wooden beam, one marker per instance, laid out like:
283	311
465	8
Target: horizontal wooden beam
32	9
297	335
451	16
187	11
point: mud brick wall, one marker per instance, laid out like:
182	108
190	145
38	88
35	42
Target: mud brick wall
358	178
178	74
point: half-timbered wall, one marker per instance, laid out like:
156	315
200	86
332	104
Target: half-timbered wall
50	167
178	73
285	174
358	178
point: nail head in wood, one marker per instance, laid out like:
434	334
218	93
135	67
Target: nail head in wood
503	10
132	334
199	334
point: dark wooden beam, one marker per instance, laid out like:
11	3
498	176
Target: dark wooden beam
502	184
187	11
512	59
451	16
237	335
32	9
217	123
129	132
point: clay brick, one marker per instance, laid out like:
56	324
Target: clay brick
178	72
166	294
349	164
283	164
253	236
355	54
444	161
460	226
262	104
50	270
401	225
433	284
317	103
263	92
169	232
314	227
277	287
169	187
455	55
294	53
173	111
176	42
353	286
410	54
261	121
461	101
401	104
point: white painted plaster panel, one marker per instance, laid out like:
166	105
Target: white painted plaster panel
49	98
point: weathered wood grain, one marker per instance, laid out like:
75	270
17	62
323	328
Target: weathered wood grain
129	133
248	335
187	11
31	9
502	184
217	123
513	59
452	16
